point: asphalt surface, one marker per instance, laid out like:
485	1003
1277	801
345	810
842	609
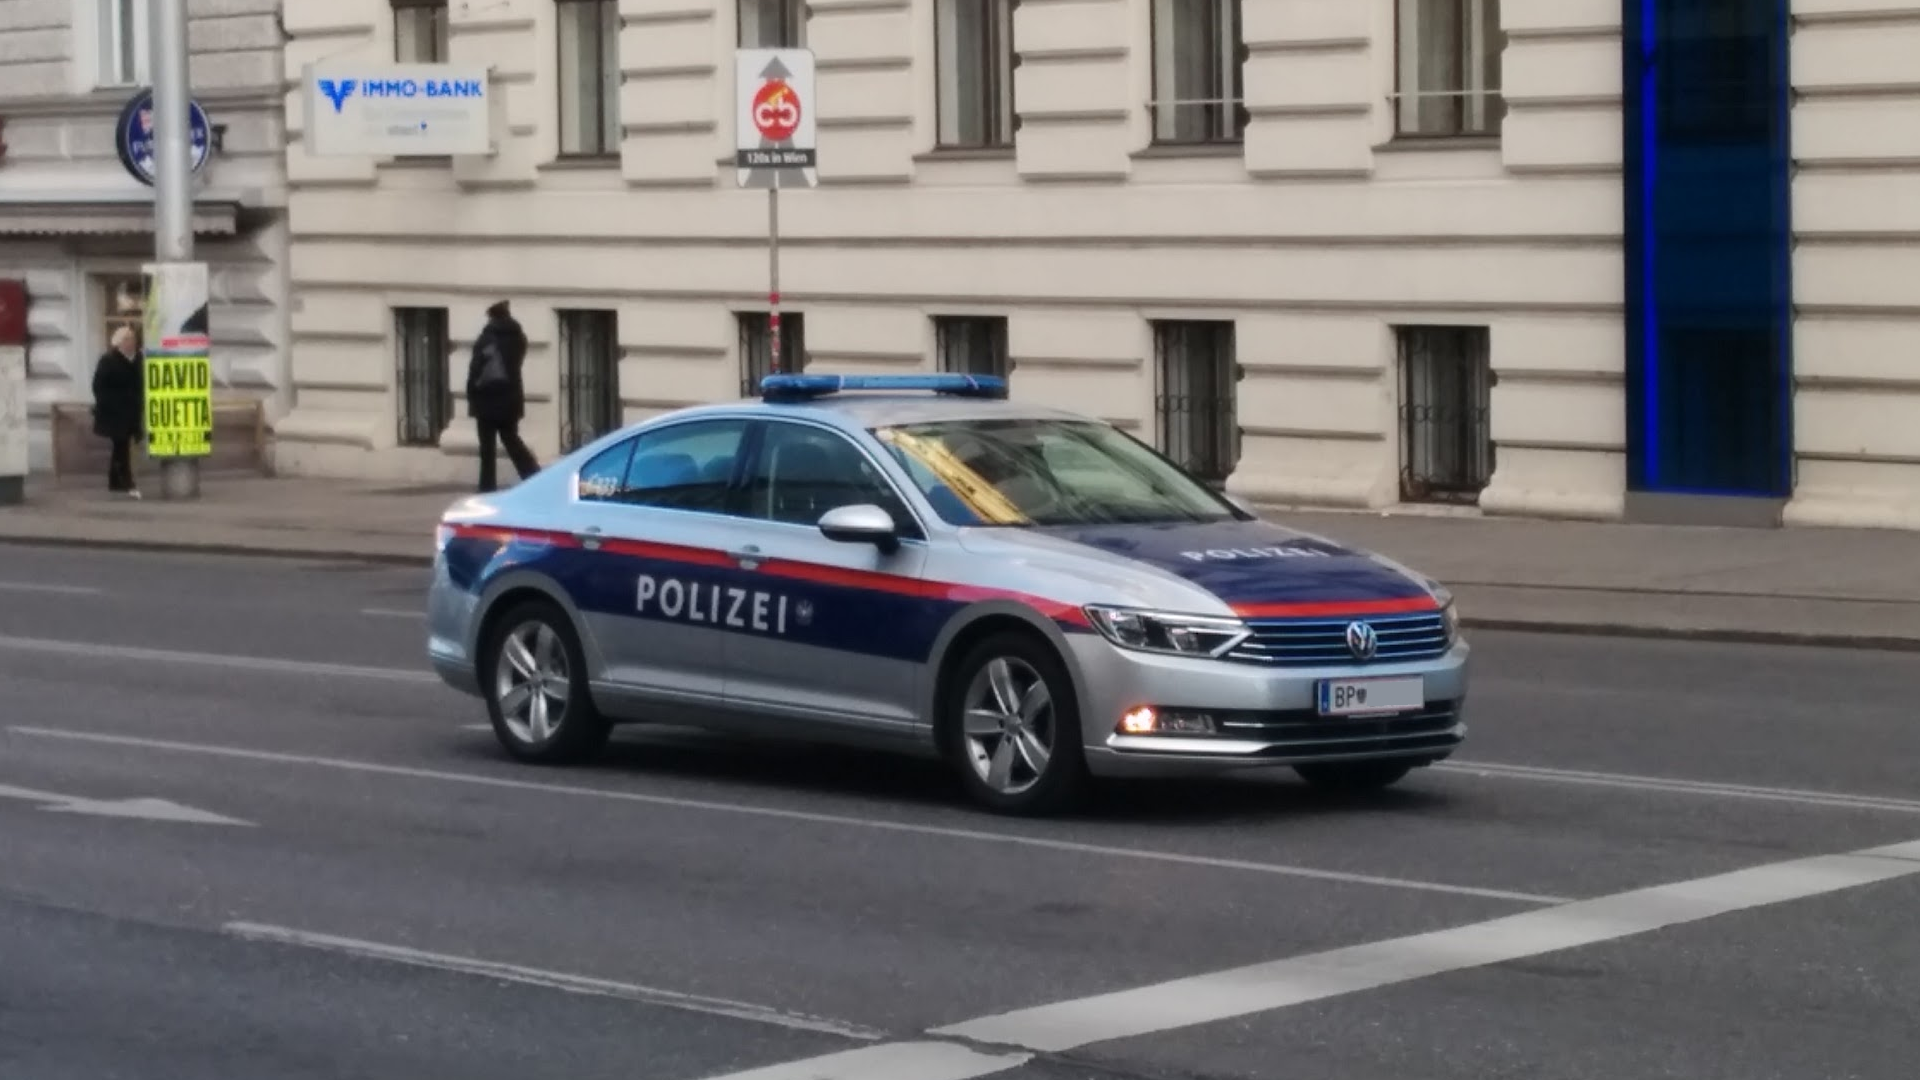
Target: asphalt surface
343	877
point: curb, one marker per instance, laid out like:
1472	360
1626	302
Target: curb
1869	642
245	551
1879	643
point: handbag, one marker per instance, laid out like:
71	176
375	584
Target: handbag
493	367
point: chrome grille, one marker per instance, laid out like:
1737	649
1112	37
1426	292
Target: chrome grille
1323	642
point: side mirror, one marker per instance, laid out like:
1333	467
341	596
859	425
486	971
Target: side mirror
862	524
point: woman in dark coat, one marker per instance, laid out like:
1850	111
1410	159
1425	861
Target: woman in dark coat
496	396
119	397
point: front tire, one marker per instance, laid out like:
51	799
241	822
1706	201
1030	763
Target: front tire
1351	776
535	683
1012	727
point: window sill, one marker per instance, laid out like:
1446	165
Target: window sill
966	153
1419	144
582	161
1221	149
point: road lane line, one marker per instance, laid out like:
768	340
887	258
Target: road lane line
776	813
393	613
1224	995
264	664
1624	781
892	1061
553	980
1258	988
55	590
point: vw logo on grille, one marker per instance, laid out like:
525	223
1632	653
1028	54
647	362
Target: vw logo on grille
1362	642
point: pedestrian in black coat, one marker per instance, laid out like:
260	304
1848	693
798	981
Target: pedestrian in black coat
496	396
119	399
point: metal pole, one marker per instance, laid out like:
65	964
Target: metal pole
773	272
172	183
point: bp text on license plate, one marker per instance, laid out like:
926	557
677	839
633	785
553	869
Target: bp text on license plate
1348	697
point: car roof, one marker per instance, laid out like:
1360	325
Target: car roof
870	410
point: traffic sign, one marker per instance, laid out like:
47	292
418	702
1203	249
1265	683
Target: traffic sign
133	136
775	127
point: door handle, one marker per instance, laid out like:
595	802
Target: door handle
748	557
589	537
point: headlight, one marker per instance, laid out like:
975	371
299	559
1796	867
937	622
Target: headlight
1179	635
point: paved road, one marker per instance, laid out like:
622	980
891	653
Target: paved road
1648	864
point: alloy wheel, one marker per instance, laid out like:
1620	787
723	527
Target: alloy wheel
1009	725
532	682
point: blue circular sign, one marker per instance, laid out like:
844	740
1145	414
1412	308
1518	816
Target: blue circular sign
133	136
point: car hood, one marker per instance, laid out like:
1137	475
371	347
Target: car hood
1255	567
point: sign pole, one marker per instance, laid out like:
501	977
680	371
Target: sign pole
773	275
774	135
173	185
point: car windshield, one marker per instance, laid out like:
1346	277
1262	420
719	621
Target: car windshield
1040	472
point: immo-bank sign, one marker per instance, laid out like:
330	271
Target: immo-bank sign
398	110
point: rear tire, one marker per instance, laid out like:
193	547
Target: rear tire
534	678
1010	724
1354	775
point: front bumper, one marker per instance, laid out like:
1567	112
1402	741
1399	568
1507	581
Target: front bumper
1265	716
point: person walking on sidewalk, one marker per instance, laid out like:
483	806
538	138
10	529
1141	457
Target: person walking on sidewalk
119	396
496	398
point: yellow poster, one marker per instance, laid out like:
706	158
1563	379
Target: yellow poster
178	361
179	406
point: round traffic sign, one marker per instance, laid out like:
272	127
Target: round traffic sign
133	136
776	111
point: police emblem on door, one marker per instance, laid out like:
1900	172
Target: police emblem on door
1362	641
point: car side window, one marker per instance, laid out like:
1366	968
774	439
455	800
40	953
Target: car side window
803	471
683	467
601	478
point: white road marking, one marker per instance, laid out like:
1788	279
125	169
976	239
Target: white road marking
1800	797
269	665
1239	992
553	980
980	836
891	1061
55	590
138	809
392	613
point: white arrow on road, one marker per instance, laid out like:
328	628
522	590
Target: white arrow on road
140	809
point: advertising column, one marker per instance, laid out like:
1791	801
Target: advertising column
177	362
13	392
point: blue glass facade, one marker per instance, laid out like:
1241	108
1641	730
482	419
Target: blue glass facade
1708	248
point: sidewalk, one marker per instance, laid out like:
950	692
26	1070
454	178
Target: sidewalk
1825	586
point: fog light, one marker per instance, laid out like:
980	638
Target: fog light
1146	720
1186	723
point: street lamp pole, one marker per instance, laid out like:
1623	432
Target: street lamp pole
172	182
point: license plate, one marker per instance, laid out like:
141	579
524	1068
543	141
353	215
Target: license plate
1360	697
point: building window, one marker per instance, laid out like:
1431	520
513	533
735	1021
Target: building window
589	377
1445	397
971	345
1197	63
774	24
123	42
1449	78
1199	426
420	31
122	304
756	355
973	46
426	397
589	78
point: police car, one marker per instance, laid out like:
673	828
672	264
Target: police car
914	562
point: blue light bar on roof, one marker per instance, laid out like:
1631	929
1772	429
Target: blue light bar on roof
803	387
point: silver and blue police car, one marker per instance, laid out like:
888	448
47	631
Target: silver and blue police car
915	562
